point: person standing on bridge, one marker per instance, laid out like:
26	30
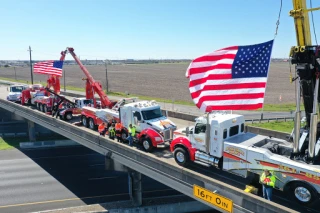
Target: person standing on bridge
118	128
268	180
131	134
102	129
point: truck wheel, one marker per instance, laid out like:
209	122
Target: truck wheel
302	192
91	124
124	135
38	106
147	144
68	116
84	121
181	156
45	109
42	107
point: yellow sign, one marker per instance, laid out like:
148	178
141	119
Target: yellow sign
213	198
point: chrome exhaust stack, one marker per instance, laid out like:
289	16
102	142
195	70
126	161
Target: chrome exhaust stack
313	124
208	134
297	120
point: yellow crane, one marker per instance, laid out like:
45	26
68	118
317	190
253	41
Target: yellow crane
306	57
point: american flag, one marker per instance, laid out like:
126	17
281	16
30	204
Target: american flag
48	67
232	78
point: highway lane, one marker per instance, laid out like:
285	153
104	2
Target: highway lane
43	179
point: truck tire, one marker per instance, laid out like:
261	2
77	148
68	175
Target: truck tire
147	144
181	156
124	135
42	106
84	121
68	116
303	193
91	124
45	109
38	106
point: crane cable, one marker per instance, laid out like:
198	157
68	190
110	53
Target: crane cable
314	29
278	21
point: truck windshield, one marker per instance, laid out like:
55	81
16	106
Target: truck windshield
151	114
16	89
86	102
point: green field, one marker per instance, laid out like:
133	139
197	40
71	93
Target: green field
267	107
280	126
10	143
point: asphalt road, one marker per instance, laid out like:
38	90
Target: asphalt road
43	179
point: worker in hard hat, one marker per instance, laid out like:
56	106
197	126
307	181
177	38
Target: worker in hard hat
268	181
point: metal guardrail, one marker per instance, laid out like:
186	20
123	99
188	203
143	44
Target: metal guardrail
285	119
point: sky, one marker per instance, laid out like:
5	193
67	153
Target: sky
142	29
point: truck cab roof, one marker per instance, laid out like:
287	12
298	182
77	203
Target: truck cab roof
144	104
220	118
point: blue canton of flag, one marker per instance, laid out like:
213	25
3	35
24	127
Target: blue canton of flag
252	61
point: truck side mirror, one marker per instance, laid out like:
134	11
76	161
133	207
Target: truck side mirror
187	131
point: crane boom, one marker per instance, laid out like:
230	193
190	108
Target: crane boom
92	86
306	58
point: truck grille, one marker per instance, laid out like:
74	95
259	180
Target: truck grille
168	133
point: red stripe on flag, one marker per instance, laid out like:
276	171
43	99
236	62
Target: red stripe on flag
235	107
230	97
228	87
210	77
214	57
198	70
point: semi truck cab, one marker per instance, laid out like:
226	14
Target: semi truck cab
147	114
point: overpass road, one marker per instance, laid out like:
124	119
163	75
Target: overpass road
40	179
160	166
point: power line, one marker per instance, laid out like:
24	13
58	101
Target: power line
314	29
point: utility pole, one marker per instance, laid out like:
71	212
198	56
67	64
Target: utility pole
106	65
64	80
31	65
15	73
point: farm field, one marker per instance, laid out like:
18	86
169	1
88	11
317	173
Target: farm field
165	81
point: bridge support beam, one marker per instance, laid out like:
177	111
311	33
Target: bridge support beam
134	178
135	187
31	131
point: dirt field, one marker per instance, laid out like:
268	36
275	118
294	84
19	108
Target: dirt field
157	80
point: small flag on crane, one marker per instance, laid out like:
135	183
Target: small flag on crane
48	67
232	78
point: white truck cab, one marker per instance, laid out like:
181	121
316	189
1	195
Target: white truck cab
146	114
15	92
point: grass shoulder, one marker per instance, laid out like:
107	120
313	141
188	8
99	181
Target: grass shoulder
7	143
280	126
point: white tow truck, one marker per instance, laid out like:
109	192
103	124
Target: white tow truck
15	92
153	129
219	140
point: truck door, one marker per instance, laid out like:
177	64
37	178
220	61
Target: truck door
137	117
198	137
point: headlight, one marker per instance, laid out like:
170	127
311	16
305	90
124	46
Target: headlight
158	139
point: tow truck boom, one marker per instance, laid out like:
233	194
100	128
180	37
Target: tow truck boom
307	60
92	86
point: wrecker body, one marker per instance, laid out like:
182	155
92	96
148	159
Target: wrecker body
152	128
219	140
